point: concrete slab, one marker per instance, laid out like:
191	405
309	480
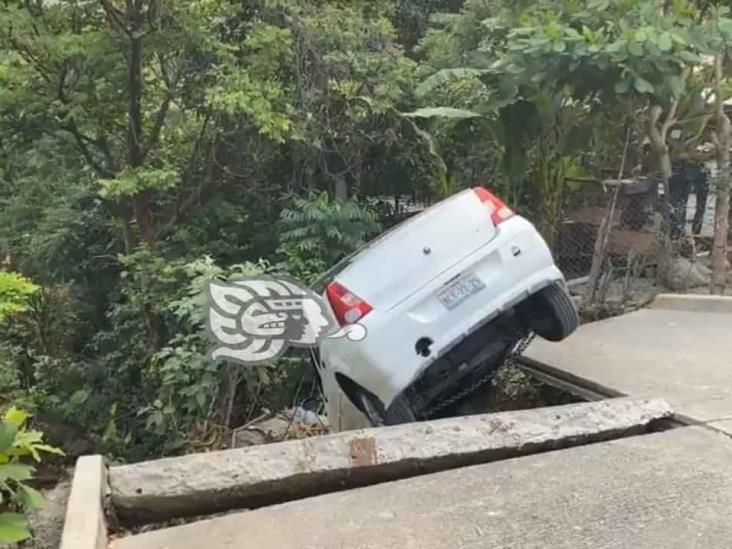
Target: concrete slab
85	526
250	477
671	489
684	357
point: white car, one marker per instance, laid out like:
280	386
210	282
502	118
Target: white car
444	297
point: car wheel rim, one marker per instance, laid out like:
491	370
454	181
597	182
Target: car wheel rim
368	408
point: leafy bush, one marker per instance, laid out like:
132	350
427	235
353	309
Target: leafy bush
317	231
16	496
121	393
193	394
14	293
196	401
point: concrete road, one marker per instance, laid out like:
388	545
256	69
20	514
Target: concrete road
682	356
668	490
671	489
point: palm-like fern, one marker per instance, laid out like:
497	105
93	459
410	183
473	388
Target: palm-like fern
316	232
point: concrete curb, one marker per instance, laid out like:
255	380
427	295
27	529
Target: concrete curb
261	475
85	526
693	303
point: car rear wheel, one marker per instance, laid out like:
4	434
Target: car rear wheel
367	403
369	408
398	412
550	313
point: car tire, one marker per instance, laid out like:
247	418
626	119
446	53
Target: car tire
398	412
365	402
550	313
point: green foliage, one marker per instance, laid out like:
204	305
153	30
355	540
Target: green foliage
192	391
126	155
543	74
137	162
316	232
603	49
442	112
136	180
444	76
15	290
16	496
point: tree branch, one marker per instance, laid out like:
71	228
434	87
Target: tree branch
157	125
30	58
654	134
114	16
103	143
671	117
62	83
162	112
82	143
199	139
203	193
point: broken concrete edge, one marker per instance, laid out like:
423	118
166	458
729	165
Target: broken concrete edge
693	303
201	484
723	427
85	526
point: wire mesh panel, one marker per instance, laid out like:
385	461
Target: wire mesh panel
641	250
629	208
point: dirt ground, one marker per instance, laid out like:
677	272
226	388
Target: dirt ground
47	523
511	389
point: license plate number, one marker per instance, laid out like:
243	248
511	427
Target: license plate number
460	290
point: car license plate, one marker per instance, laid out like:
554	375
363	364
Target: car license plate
460	290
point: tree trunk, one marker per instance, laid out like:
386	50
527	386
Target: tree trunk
657	137
657	133
603	233
141	206
233	376
665	253
721	210
341	188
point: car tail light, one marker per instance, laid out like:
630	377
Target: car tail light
347	306
499	211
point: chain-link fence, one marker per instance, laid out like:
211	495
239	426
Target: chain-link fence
619	224
629	207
